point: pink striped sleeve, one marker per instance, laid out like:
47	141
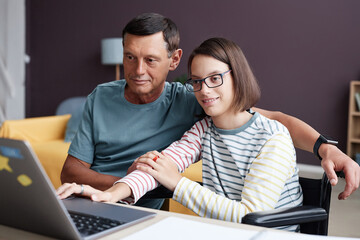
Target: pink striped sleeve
187	150
184	152
139	183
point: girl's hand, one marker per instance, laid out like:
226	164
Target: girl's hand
134	166
161	167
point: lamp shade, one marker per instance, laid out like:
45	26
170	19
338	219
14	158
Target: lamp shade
111	51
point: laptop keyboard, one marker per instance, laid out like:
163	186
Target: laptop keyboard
90	224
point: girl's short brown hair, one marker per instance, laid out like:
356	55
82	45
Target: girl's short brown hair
246	88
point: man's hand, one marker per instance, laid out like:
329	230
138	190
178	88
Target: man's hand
114	194
335	160
67	189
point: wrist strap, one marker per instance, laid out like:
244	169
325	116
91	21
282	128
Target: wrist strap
317	144
320	141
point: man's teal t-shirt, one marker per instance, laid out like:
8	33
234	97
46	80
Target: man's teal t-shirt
114	132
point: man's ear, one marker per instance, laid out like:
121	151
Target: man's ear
175	59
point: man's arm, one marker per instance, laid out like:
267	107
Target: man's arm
75	170
304	137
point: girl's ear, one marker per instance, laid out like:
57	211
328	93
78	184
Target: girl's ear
175	59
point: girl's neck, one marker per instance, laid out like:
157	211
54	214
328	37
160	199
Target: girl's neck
231	121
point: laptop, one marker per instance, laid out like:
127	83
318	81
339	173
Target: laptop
28	201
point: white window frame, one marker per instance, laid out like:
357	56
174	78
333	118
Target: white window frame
12	59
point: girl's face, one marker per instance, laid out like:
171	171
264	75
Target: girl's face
216	102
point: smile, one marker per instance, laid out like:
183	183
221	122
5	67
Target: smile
209	100
138	81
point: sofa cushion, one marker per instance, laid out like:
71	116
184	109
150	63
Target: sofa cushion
72	126
75	107
52	155
194	172
36	130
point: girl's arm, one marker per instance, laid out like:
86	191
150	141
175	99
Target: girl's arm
262	187
184	152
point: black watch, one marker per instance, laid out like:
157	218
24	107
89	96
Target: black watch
320	141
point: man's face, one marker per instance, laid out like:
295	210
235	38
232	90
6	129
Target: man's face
146	66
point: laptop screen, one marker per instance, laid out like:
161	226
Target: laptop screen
29	201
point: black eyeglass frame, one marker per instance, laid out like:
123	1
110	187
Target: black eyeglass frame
190	88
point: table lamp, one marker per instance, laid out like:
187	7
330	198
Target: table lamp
112	53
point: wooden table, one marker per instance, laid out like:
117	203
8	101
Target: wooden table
12	233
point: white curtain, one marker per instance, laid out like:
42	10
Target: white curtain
12	59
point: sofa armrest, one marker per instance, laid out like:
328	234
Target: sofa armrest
37	129
194	172
285	216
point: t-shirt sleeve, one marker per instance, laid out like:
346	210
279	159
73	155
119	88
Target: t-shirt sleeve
82	146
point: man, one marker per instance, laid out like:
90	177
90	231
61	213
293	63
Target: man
125	119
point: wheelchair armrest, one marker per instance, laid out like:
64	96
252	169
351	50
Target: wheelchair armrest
285	216
159	192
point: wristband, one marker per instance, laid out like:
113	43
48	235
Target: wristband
320	141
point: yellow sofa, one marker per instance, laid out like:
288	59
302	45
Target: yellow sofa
46	137
194	172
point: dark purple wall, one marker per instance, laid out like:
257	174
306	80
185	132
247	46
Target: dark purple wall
304	53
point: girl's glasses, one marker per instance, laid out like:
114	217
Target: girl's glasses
213	81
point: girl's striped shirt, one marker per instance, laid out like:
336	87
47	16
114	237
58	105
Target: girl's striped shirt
252	168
